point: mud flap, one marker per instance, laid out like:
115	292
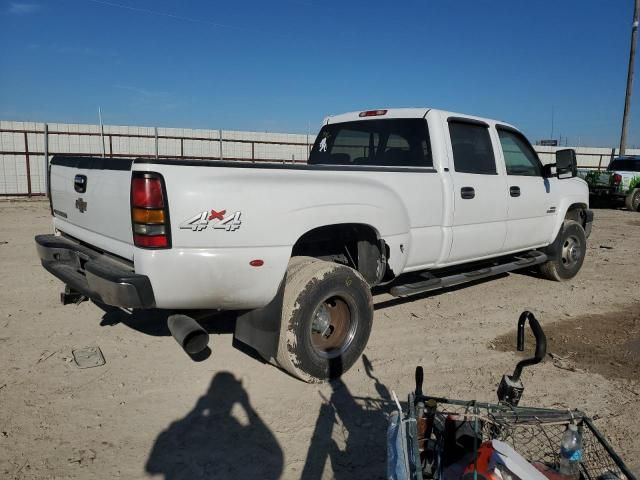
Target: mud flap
260	328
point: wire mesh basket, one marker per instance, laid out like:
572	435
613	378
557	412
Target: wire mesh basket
438	436
535	433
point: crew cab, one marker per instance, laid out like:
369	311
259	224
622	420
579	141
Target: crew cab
416	199
620	181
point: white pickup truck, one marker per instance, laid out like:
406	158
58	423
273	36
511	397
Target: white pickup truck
295	249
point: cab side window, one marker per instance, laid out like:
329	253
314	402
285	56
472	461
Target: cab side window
519	157
472	150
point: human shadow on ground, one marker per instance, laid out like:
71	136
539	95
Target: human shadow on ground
210	442
361	423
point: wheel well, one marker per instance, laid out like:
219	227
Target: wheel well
356	245
577	212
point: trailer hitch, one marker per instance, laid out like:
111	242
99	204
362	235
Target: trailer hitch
511	387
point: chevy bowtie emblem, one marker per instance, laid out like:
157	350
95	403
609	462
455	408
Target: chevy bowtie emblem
81	205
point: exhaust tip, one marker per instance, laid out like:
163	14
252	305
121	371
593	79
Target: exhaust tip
188	333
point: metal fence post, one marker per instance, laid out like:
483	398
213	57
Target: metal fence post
613	154
26	156
181	147
253	151
46	159
220	140
155	129
110	146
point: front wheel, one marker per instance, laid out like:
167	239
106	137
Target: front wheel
632	201
567	253
327	313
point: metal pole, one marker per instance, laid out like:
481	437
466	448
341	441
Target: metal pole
627	98
46	159
26	156
155	130
220	137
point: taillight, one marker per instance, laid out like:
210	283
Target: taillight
149	212
372	113
617	178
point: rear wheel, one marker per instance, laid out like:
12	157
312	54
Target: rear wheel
567	253
327	313
632	201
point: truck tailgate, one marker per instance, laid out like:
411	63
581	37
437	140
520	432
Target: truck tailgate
90	198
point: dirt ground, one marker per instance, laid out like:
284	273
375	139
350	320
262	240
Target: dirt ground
153	412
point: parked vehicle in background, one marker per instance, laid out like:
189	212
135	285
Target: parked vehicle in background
620	181
444	197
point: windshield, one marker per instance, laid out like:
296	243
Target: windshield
625	164
389	143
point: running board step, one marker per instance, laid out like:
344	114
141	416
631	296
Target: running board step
432	282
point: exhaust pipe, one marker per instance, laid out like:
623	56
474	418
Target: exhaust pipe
188	333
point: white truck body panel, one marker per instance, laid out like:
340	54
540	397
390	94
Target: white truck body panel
106	220
417	211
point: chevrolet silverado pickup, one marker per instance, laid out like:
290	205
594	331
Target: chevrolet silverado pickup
620	181
413	199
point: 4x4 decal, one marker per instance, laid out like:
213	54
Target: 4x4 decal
218	220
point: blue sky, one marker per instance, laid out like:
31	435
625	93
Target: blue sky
283	65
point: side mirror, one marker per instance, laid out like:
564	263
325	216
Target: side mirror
566	163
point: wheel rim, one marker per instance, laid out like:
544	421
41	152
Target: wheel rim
571	251
332	328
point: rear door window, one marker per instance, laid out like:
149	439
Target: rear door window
383	143
472	150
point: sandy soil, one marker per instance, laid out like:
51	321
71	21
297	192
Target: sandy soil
152	411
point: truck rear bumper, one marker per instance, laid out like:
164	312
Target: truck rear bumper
93	274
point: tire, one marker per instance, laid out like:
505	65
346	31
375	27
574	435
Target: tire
567	253
632	201
327	313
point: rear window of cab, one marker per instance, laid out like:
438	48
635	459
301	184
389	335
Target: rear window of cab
380	143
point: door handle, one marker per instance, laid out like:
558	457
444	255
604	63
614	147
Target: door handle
467	192
514	191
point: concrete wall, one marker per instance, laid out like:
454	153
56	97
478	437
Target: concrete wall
131	142
194	143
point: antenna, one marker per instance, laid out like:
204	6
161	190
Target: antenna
101	131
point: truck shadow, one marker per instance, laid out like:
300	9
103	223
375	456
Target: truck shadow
363	421
154	323
210	442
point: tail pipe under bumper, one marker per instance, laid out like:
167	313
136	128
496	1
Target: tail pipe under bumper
188	333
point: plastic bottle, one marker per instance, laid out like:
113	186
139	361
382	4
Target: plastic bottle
571	452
